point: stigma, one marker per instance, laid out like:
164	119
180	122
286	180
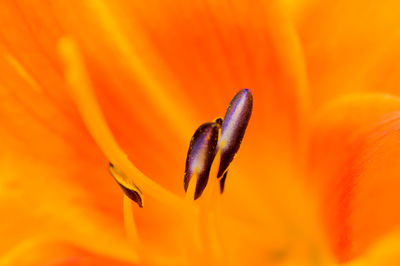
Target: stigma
221	135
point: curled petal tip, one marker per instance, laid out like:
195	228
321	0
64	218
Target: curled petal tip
233	127
200	156
127	186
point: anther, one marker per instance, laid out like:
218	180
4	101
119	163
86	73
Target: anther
201	153
222	182
218	120
233	127
128	187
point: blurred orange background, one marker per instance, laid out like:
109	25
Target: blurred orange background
315	180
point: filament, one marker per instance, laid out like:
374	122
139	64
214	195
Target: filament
191	221
209	209
129	221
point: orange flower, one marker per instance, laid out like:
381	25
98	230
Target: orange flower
85	82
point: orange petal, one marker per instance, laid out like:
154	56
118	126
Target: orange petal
199	69
354	169
162	71
50	186
52	252
65	185
350	46
383	252
37	199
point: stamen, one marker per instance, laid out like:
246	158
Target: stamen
190	188
233	128
130	226
202	153
209	209
200	156
129	188
210	195
214	243
83	94
191	216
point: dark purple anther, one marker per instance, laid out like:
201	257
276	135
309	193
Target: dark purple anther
200	156
222	182
233	127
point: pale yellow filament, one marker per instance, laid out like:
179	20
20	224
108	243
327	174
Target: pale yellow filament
209	209
191	220
83	94
192	186
130	226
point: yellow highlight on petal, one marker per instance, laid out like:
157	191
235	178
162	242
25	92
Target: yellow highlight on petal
154	89
83	95
21	249
384	252
23	72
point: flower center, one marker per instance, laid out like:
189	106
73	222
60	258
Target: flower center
210	153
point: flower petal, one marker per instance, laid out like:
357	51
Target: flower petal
383	252
191	53
350	46
65	187
354	168
41	203
52	252
33	66
200	52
